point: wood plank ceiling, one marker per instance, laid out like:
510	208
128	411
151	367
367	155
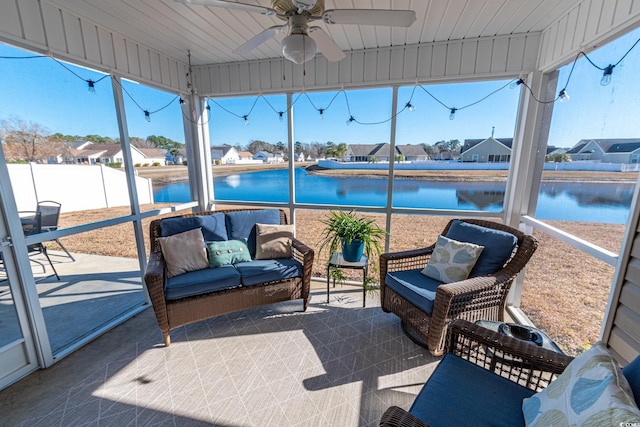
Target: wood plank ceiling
211	33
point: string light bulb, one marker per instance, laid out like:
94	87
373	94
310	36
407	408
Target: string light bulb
516	83
452	114
410	107
281	116
606	75
351	119
563	95
92	87
321	111
147	116
246	120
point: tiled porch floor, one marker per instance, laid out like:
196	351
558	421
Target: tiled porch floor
333	365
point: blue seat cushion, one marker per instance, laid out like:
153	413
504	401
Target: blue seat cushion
414	287
459	393
213	226
202	282
242	225
268	270
632	374
498	245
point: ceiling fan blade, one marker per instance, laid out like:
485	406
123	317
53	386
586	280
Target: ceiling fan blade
258	39
231	5
326	45
392	18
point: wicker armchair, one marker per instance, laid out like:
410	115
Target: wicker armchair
518	361
475	298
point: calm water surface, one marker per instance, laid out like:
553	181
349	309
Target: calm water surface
606	202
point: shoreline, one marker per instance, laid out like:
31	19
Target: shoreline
165	175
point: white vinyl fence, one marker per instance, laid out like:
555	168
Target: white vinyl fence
455	165
76	187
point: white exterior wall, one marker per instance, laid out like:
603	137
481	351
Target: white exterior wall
76	187
47	29
587	26
500	56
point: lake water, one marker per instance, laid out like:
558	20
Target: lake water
606	202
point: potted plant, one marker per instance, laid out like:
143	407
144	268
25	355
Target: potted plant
352	234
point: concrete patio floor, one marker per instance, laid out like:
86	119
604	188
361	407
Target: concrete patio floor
335	364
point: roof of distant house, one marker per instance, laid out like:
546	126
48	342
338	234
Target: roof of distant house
108	150
411	150
152	152
470	143
610	145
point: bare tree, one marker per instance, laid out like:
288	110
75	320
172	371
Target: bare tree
29	141
141	143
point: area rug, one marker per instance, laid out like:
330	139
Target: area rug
335	364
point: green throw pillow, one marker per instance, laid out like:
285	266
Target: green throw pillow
227	252
451	261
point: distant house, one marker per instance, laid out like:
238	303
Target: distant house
300	157
617	150
489	150
412	153
176	159
153	155
267	157
382	151
225	154
245	155
555	150
91	154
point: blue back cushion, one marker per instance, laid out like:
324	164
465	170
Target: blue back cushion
242	225
498	245
213	226
632	374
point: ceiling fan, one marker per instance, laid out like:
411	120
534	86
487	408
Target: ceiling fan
302	42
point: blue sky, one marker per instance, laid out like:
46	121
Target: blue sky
44	92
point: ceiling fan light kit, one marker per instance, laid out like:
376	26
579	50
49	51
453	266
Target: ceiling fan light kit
302	42
298	48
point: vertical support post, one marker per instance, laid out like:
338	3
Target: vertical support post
204	143
292	167
196	120
527	159
392	151
123	128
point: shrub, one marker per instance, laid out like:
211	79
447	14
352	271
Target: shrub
217	162
184	163
558	158
144	165
155	164
137	165
116	165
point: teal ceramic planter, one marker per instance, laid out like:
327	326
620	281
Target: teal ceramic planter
352	252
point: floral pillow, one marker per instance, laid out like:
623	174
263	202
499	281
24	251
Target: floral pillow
452	261
592	391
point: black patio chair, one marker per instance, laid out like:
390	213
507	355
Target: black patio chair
50	214
31	224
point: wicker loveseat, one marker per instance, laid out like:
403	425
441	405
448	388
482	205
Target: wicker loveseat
485	377
426	306
210	292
